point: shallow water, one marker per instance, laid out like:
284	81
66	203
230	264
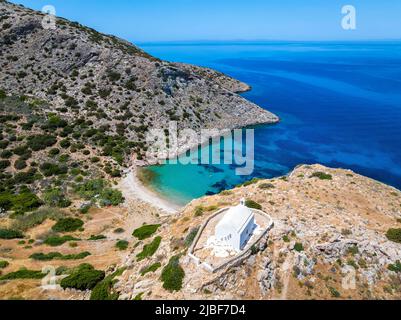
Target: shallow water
340	105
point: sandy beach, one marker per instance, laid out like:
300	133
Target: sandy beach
132	188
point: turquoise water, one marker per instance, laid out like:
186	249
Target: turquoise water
340	105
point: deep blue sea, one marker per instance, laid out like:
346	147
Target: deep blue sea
339	104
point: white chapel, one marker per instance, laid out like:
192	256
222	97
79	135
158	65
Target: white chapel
236	227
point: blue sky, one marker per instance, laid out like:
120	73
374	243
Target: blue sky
172	20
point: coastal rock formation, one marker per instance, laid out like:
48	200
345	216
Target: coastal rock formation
79	72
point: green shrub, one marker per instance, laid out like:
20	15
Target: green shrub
25	202
334	293
58	256
145	231
110	197
20	164
191	237
65	143
41	142
322	176
173	275
299	247
56	198
151	268
394	235
396	267
122	245
50	169
23	274
253	205
85	277
103	289
251	182
68	225
4	164
8	234
2	94
3	264
96	238
266	186
149	249
199	211
6	154
55	241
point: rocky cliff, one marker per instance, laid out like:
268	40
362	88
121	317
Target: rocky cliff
80	72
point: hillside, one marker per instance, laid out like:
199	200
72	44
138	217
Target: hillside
326	221
76	71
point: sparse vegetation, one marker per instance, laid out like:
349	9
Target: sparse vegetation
85	277
122	245
173	275
321	176
58	256
394	235
68	225
396	267
55	241
9	234
3	264
152	268
23	274
253	205
145	231
149	249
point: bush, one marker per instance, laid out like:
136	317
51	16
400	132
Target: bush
68	225
56	198
85	277
23	274
396	267
322	176
298	247
96	238
25	202
2	94
253	205
6	154
149	249
56	241
173	275
394	235
8	234
122	245
151	268
145	231
41	142
4	164
266	186
110	197
191	237
20	164
58	256
4	264
51	169
102	291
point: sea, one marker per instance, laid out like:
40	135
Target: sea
339	105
